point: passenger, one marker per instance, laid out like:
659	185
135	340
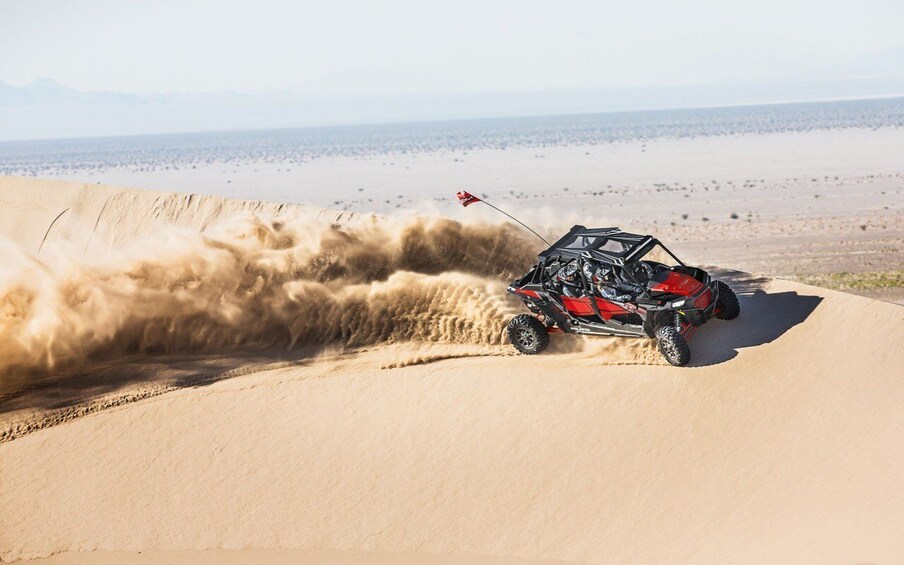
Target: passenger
606	284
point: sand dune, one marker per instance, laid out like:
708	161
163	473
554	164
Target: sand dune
781	444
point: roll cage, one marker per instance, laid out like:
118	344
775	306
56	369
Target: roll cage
609	246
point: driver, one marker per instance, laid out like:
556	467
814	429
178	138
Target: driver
603	279
568	280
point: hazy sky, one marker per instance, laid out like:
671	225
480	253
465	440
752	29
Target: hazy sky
365	47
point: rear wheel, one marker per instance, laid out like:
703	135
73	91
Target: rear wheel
527	334
729	307
673	346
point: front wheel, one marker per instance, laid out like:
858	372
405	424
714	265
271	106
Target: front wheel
673	346
728	305
527	334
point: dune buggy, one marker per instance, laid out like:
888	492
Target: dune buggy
605	282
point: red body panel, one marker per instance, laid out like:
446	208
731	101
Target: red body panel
527	292
677	283
704	299
684	285
582	307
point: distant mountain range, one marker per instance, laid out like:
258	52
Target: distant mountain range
50	92
47	109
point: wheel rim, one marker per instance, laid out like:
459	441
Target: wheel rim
670	349
526	338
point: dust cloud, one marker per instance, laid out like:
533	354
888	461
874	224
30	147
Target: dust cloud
258	282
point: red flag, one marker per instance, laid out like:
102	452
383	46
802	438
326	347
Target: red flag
467	198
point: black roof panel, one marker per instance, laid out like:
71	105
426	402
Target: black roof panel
608	245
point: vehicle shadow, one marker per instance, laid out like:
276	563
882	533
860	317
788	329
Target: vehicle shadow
765	317
104	384
743	284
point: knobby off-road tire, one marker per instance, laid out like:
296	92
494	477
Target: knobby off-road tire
527	334
673	346
729	307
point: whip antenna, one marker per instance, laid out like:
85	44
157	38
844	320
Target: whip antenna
466	199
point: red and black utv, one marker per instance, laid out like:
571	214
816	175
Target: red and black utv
604	282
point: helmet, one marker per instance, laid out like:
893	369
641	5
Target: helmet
595	272
603	273
568	272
